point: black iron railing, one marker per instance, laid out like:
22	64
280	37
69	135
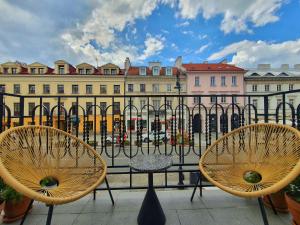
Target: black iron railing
122	127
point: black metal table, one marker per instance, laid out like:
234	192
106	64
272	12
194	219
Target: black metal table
151	212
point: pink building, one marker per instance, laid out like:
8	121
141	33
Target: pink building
220	79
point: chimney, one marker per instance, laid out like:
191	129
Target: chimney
297	66
178	62
127	64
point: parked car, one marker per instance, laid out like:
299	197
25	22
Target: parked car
162	136
116	139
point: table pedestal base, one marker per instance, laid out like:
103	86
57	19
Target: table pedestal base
151	212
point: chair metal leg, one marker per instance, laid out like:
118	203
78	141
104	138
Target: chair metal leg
272	205
263	211
109	191
94	195
49	217
27	211
195	188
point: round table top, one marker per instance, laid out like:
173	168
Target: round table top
151	163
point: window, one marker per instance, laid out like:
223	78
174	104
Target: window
88	71
278	87
142	103
5	70
74	108
213	99
169	71
254	87
168	103
291	101
267	87
113	71
223	99
156	104
46	89
254	102
116	89
81	71
75	89
234	99
16	109
223	81
168	87
103	105
89	89
196	100
31	106
60	89
233	81
31	89
212	81
106	72
130	87
155	88
89	109
2	88
17	89
103	89
61	69
33	71
14	70
291	87
197	81
155	71
46	108
116	107
41	70
142	88
143	71
278	101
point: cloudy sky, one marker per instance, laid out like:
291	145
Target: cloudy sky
243	32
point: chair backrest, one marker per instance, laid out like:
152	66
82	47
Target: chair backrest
29	154
271	150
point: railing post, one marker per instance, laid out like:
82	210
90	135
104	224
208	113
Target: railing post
283	109
266	109
1	112
21	114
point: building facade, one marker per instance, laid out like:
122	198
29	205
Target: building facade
269	80
204	81
71	85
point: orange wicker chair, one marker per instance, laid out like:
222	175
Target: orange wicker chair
31	155
253	161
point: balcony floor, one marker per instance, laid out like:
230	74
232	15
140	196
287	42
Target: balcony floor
214	208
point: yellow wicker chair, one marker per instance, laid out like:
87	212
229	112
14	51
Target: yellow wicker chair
29	154
253	161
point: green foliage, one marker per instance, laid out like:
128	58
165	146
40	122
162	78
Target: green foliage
252	177
48	181
293	189
126	143
10	194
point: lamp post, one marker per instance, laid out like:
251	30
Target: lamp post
180	126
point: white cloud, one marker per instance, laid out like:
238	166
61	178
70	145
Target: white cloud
153	46
187	32
249	53
174	46
202	36
171	59
202	48
236	13
183	24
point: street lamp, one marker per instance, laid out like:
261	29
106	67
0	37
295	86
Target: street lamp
180	126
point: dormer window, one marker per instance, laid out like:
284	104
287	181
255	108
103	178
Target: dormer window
32	70
14	70
106	71
41	70
143	71
88	71
113	71
155	71
61	69
169	71
5	70
81	71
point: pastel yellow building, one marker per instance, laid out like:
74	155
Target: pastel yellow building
63	85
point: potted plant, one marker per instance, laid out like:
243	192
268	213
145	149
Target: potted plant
2	186
138	143
278	201
292	197
15	204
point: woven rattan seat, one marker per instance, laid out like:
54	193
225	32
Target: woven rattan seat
269	151
31	153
